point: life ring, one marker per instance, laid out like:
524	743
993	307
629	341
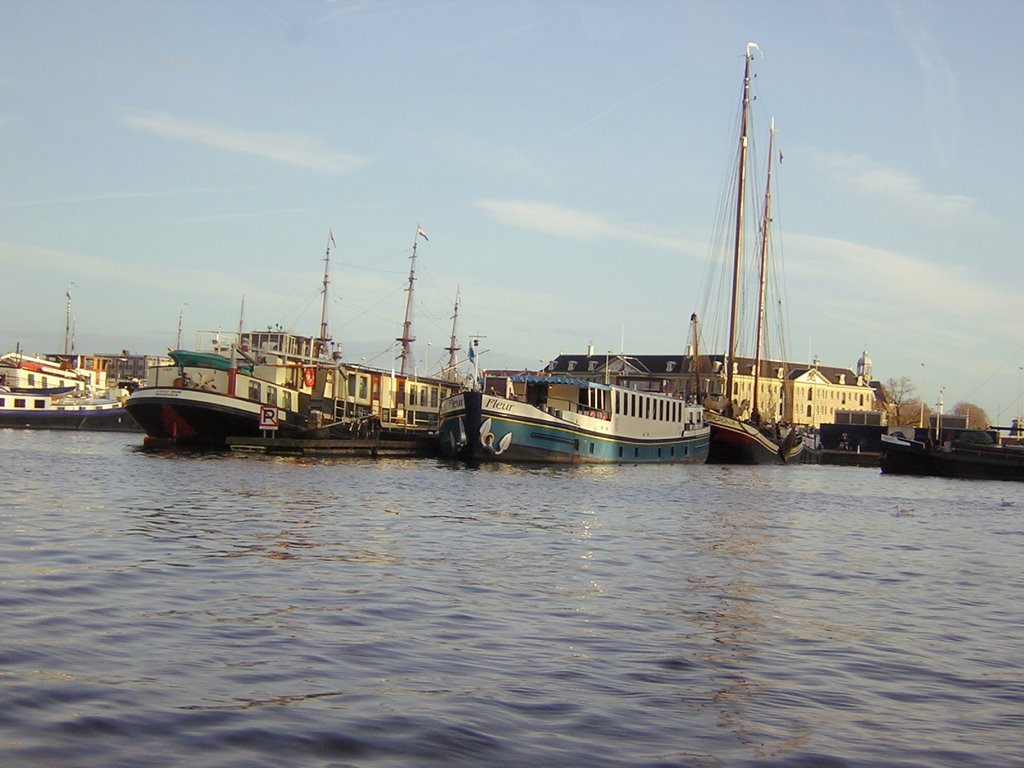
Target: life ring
310	377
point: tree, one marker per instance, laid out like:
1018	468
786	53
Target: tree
976	416
902	408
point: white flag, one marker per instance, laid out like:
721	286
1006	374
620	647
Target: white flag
421	233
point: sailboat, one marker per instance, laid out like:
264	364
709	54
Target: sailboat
742	432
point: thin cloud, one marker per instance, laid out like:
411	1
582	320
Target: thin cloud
299	151
106	197
887	278
578	225
896	187
941	94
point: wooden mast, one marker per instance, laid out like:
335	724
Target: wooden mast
696	356
452	346
765	223
407	338
321	343
738	244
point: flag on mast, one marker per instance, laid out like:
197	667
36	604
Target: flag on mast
330	234
421	233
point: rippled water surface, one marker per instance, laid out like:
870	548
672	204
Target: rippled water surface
220	610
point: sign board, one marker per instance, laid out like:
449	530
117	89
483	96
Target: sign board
268	417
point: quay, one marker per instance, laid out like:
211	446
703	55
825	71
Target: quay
406	446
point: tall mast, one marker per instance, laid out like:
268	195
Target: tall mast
407	338
67	324
765	223
452	346
738	244
696	355
321	344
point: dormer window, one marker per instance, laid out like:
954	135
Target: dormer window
592	365
670	366
572	365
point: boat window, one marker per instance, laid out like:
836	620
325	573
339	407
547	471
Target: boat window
434	397
272	395
364	387
19	402
287	405
352	385
254	391
38	403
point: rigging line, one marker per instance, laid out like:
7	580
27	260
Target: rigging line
992	375
364	268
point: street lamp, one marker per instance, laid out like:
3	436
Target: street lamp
920	422
1020	371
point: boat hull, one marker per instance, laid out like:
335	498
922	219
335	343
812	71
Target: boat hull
83	418
199	417
739	442
913	457
36	409
479	427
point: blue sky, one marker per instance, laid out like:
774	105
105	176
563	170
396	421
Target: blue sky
565	158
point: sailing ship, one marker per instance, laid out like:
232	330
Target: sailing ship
560	419
745	432
224	389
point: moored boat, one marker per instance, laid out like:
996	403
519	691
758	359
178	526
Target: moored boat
564	420
26	410
277	383
56	392
746	432
970	453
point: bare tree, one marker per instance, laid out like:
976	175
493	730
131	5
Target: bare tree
903	409
976	416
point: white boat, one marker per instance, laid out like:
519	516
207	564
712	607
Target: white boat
561	419
54	392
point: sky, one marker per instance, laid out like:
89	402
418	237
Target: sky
167	162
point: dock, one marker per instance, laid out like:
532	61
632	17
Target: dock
837	458
406	446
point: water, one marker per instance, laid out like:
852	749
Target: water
162	610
